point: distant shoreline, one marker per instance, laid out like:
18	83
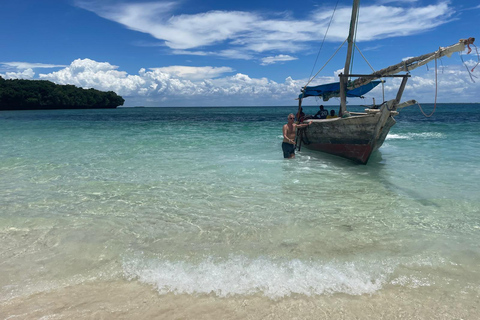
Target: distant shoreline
53	108
18	94
295	106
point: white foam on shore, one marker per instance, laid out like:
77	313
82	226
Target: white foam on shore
274	279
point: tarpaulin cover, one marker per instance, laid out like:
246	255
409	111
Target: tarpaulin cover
326	91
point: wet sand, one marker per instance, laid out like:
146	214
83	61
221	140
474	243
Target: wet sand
131	300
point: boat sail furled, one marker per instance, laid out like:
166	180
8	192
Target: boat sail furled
355	137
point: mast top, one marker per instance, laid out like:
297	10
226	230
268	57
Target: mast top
346	69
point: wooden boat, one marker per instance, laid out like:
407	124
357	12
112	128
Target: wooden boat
356	135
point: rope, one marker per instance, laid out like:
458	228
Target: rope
299	147
364	58
429	115
436	77
324	37
316	74
436	93
478	57
383	91
466	67
383	82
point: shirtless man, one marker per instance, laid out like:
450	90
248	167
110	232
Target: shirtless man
289	133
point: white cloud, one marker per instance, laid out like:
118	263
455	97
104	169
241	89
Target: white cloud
246	34
230	53
472	64
27	65
453	83
88	73
401	21
398	1
23	70
175	85
216	86
194	73
27	74
278	58
471	8
184	31
337	72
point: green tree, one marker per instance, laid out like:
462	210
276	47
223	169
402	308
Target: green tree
40	94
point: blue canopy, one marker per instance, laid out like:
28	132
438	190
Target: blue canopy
326	91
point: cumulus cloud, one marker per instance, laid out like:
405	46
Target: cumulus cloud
23	70
220	86
252	34
453	83
88	73
175	85
27	74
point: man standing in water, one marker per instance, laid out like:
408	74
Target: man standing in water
289	133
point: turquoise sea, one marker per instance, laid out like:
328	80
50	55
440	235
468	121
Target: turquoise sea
192	213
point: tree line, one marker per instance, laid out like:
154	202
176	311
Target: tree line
18	94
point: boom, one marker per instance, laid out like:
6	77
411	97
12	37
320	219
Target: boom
411	63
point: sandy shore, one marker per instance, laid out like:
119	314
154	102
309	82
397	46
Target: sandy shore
131	300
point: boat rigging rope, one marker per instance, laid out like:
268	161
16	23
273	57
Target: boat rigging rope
436	92
383	82
364	58
333	55
478	57
478	61
436	76
321	46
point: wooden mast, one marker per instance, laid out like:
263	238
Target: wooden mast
346	70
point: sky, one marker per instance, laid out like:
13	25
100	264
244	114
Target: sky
235	53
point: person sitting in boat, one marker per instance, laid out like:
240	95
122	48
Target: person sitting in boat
332	114
300	115
322	113
289	135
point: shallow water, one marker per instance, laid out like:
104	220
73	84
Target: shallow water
193	213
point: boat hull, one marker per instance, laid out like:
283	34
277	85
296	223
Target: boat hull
358	152
355	137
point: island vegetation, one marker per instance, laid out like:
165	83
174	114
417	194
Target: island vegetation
17	94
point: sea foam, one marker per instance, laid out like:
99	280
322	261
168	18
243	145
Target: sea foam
411	136
239	275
